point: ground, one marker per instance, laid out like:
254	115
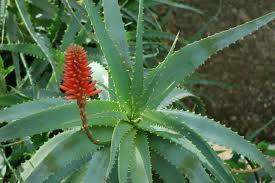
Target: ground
249	65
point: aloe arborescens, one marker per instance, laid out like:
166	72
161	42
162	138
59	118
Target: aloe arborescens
145	136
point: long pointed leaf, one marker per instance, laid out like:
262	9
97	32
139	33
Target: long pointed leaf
174	95
29	108
26	19
179	5
137	87
141	164
65	151
182	63
115	27
126	151
99	113
117	66
166	171
189	139
97	166
185	161
216	133
68	169
175	137
120	131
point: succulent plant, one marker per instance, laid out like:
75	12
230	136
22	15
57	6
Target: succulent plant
144	140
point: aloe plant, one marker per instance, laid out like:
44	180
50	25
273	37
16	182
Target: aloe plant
142	137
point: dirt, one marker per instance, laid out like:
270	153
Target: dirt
249	65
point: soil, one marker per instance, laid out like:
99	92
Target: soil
249	65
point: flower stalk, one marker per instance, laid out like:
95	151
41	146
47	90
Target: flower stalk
77	83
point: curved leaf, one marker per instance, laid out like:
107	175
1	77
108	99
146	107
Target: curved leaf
78	175
67	149
141	168
68	169
120	131
97	166
166	171
179	5
216	133
126	152
178	139
26	19
115	27
11	99
182	63
98	112
189	139
117	67
72	29
25	48
137	169
175	95
25	109
185	161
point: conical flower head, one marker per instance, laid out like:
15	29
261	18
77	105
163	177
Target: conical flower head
77	82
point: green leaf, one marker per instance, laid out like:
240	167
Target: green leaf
254	134
12	29
169	128
26	19
177	138
113	177
32	50
172	49
11	99
97	166
3	74
49	8
117	67
78	175
54	155
126	151
155	35
179	5
100	113
137	86
72	29
46	149
68	169
185	161
120	131
25	48
141	164
29	108
115	27
175	95
182	63
165	170
218	134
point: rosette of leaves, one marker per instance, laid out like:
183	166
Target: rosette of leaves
144	141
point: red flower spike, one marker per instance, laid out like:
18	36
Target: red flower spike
77	77
77	82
